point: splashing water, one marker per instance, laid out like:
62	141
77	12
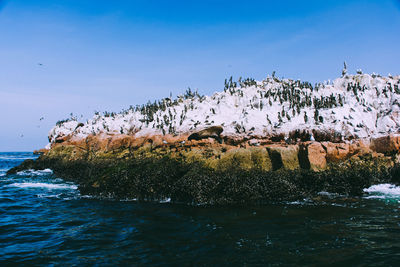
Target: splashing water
383	191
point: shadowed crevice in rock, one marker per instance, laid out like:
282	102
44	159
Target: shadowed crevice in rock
276	159
303	157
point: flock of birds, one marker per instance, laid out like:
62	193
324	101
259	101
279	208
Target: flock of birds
38	126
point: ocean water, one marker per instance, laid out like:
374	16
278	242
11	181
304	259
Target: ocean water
45	221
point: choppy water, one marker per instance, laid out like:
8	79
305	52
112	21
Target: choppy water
45	221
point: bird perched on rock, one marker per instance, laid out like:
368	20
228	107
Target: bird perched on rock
165	142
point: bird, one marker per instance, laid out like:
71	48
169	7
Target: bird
22	135
40	64
42	118
165	142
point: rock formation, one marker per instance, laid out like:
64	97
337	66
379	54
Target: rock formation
256	128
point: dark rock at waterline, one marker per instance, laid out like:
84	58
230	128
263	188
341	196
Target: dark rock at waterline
195	183
37	164
25	165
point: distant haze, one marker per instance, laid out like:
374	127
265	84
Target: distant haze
58	57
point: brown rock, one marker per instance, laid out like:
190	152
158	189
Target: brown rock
284	156
139	141
119	142
336	151
173	139
93	143
327	135
316	156
377	155
157	140
233	140
386	144
359	147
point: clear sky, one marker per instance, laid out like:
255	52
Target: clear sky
58	57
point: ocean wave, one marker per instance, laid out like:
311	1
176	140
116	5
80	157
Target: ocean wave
49	196
165	200
59	196
31	172
329	194
43	185
305	201
16	158
122	200
383	191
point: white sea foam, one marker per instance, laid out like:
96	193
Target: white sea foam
31	172
15	158
59	196
48	196
383	191
375	197
123	200
304	201
165	200
328	194
43	185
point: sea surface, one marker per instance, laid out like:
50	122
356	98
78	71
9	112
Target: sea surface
45	221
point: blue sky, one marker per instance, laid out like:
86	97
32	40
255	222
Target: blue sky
107	55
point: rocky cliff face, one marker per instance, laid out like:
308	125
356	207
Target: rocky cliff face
219	151
216	170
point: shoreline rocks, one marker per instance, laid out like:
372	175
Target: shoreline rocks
211	147
206	171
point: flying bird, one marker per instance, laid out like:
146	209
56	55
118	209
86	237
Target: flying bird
40	64
42	118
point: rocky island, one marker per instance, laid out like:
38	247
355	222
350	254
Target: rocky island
255	141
